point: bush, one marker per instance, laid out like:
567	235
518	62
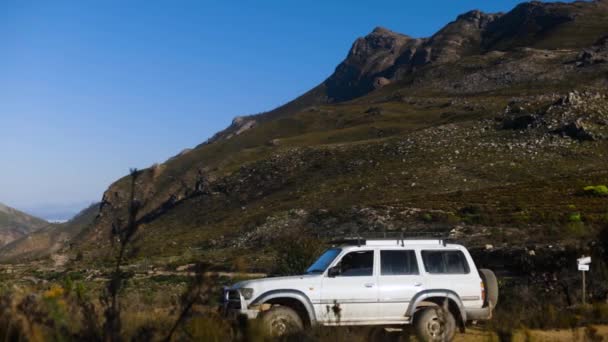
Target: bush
521	217
426	217
470	214
575	229
596	190
575	217
295	255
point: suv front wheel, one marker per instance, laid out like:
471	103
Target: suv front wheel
281	321
435	324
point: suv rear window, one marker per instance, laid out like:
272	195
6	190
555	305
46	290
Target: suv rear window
445	262
398	263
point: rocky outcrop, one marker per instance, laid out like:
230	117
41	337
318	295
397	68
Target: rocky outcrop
597	54
239	125
370	57
242	125
460	37
383	56
578	115
578	129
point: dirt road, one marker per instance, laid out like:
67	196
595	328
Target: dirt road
592	333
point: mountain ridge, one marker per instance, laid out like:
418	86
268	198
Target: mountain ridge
406	132
491	31
400	58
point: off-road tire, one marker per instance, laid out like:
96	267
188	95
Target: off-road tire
491	285
434	324
281	321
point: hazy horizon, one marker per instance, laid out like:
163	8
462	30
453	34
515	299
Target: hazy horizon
52	212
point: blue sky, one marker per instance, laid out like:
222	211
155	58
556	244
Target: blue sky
89	89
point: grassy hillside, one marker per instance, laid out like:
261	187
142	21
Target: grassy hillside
497	138
15	224
49	239
428	162
507	138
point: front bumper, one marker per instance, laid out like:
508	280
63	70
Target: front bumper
235	306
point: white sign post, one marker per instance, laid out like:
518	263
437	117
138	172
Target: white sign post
584	260
583	266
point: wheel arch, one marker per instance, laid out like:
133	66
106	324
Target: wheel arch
438	297
293	299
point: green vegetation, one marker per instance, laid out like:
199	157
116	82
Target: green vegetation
426	217
295	255
596	190
575	217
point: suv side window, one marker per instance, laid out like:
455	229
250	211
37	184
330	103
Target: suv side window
398	262
357	264
445	262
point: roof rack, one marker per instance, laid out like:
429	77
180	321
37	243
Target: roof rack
400	237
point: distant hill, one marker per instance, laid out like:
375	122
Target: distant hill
48	240
15	224
490	129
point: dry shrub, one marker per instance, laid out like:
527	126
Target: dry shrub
210	328
295	254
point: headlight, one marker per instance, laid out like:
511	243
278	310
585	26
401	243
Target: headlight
246	292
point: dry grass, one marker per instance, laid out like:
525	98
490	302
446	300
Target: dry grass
52	312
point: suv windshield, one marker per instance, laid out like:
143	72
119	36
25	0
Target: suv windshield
324	260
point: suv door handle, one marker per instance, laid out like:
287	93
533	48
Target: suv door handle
417	284
369	285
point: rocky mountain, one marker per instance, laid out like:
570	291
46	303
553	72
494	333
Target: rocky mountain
490	130
15	224
385	57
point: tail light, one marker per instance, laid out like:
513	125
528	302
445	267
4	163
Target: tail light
483	292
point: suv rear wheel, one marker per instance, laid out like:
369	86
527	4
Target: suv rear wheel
435	324
281	321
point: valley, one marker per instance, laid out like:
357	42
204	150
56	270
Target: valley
492	132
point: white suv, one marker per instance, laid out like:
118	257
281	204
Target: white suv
428	283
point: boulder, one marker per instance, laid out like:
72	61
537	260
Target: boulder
519	122
577	130
380	82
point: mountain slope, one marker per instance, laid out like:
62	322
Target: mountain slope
485	129
49	239
548	26
385	57
15	224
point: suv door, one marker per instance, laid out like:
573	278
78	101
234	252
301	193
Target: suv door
351	295
398	282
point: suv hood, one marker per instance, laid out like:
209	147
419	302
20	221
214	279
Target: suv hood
276	282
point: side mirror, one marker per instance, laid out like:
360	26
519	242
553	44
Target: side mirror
333	272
